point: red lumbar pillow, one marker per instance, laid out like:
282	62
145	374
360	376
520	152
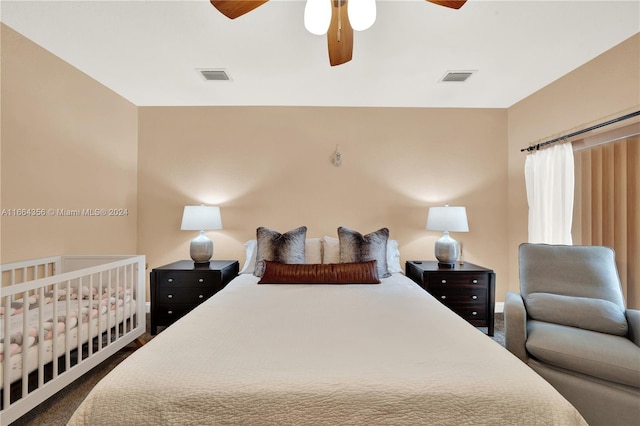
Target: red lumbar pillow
328	273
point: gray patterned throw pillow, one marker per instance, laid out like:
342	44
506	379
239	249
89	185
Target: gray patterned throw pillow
355	247
277	247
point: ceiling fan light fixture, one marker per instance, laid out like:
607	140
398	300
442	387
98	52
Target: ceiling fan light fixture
317	16
362	14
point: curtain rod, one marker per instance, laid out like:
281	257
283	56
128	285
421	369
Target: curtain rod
579	132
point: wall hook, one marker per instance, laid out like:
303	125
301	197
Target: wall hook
337	157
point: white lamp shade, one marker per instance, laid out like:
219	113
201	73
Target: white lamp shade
317	16
451	219
362	14
201	218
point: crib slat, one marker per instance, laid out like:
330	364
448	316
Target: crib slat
41	339
67	337
100	292
78	303
79	329
108	306
90	322
133	295
25	343
6	362
129	288
116	310
13	282
54	331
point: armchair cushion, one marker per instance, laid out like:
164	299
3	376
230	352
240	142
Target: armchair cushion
581	312
600	355
585	277
633	319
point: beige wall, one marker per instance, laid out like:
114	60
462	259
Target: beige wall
272	167
67	142
604	88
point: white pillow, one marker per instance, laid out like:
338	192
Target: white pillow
312	250
330	250
312	253
393	257
250	248
331	253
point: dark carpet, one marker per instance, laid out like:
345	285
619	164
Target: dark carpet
57	410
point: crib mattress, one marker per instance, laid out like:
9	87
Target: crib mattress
323	355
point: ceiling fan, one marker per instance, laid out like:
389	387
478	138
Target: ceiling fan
340	30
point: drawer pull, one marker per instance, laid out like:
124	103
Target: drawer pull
474	297
169	296
201	280
200	296
475	281
170	312
170	280
443	297
474	313
443	281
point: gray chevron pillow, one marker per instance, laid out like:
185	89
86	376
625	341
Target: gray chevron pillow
277	247
355	247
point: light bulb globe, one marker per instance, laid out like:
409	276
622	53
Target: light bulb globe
317	16
362	14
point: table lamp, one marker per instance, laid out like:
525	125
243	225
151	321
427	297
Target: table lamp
447	219
201	218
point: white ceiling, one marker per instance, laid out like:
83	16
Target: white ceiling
149	51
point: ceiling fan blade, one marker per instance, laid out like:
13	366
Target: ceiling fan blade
340	34
453	4
234	8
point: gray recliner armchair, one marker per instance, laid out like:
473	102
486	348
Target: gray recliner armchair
569	324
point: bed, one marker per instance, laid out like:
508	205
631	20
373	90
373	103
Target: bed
59	317
323	354
320	349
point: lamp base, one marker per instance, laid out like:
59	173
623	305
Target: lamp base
447	251
201	249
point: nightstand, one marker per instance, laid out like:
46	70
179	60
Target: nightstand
179	287
467	289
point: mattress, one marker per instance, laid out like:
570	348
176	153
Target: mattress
320	354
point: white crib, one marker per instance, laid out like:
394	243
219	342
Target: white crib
61	316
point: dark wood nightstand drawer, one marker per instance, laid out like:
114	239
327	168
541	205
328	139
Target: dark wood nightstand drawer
183	278
192	295
463	296
170	314
438	279
475	315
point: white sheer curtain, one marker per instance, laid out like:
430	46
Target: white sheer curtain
549	178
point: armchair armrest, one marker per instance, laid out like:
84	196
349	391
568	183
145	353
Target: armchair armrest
515	325
633	319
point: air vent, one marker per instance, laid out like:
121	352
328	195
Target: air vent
214	74
457	76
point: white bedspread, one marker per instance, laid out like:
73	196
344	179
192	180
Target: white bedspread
323	355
